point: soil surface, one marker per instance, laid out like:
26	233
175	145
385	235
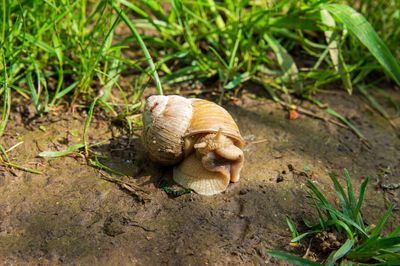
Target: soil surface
72	213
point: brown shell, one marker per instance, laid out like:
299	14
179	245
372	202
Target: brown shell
209	117
165	121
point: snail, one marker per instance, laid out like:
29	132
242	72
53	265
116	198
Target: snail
198	136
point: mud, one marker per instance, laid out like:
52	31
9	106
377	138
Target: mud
70	214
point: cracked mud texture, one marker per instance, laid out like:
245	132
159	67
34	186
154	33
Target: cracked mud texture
70	214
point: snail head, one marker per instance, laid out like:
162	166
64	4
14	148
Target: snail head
219	154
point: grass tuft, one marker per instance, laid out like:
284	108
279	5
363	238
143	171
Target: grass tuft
361	245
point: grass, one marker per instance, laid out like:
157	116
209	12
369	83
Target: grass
363	244
73	52
58	52
235	40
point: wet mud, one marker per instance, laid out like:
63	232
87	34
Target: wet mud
73	214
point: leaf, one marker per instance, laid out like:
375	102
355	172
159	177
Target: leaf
6	102
87	123
141	44
360	27
68	89
383	221
345	218
344	120
374	102
334	50
342	195
298	238
395	232
286	62
102	166
239	79
292	228
57	47
54	154
291	258
341	252
360	198
34	95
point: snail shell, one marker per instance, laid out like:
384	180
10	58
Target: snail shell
165	121
199	134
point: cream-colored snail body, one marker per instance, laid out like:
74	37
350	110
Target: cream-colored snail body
199	135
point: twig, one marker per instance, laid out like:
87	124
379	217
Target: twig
13	147
128	186
144	228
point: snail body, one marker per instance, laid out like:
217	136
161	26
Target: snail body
199	135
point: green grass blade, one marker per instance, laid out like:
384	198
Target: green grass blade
87	123
321	220
141	44
344	120
334	50
296	260
54	154
7	99
360	198
340	192
365	245
345	218
102	166
340	253
321	197
292	228
394	103
219	20
22	168
41	80
395	232
342	225
114	82
346	263
259	57
71	149
66	90
60	69
234	49
6	109
373	101
4	24
350	192
237	80
383	221
219	57
3	151
34	95
138	10
375	246
298	238
360	27
286	62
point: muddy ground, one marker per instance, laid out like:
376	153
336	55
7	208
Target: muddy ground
70	214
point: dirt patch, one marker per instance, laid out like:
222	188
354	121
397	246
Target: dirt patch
70	214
